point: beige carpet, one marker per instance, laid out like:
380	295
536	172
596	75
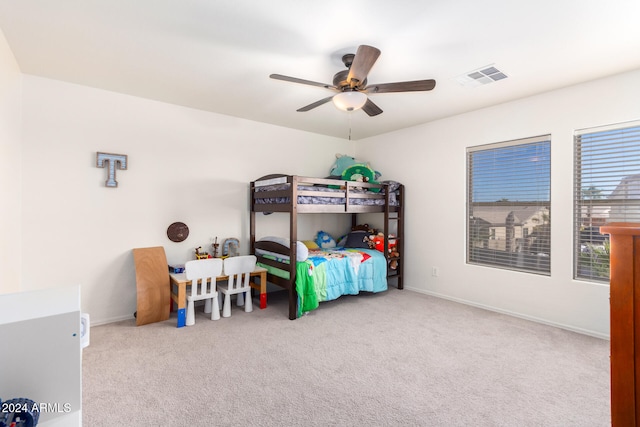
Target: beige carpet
393	359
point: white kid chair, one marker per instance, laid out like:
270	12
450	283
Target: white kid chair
239	269
203	274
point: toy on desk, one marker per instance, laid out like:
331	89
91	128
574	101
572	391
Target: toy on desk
215	246
176	268
230	247
201	255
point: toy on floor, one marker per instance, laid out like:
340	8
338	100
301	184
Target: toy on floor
19	412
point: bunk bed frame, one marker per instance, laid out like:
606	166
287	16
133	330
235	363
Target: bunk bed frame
287	202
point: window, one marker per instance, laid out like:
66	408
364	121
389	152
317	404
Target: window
606	189
509	205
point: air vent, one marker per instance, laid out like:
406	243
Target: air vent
481	76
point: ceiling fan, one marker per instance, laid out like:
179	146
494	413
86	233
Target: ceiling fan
351	84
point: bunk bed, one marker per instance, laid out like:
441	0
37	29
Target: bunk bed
294	195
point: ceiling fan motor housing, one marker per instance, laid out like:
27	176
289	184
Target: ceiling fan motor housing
347	59
340	81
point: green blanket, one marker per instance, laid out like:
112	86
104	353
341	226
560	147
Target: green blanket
307	298
305	285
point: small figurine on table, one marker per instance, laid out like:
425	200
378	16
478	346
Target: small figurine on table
230	247
215	245
201	255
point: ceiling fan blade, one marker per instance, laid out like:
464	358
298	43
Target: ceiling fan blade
371	109
315	104
413	86
365	57
301	81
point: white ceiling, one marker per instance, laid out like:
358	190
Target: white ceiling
217	55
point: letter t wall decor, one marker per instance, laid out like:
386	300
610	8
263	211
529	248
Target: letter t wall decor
114	160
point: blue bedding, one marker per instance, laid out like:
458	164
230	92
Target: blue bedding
330	273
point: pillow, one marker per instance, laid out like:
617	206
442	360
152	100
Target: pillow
393	185
356	239
302	252
310	244
324	240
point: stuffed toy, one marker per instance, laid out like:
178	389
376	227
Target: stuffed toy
324	240
393	242
356	177
393	253
364	227
378	241
369	242
344	162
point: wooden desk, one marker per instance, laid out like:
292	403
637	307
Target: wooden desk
179	280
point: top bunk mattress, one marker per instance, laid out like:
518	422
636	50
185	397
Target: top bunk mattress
324	196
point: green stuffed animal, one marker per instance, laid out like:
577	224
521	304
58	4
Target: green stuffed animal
361	173
344	162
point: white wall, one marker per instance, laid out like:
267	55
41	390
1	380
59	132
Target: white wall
191	166
184	165
10	165
430	160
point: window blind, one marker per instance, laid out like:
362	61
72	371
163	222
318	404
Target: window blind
606	189
509	205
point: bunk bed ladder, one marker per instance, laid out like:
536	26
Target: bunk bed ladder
400	237
399	218
395	214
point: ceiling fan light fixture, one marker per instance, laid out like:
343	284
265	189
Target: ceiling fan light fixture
349	100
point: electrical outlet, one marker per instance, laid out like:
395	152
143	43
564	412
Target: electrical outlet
435	271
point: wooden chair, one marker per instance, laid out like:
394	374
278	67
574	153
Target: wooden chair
239	269
203	274
152	285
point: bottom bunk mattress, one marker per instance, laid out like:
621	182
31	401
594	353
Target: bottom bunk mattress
328	274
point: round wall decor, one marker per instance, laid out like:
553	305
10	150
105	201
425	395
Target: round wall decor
177	232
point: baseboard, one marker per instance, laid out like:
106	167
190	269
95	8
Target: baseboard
111	320
514	314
